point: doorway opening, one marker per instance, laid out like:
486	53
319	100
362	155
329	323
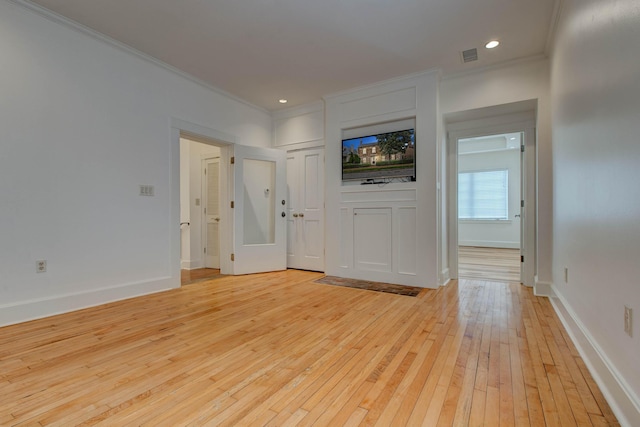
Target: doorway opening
491	196
199	190
489	209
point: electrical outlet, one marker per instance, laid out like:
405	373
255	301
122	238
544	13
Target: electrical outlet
147	190
41	266
566	275
628	320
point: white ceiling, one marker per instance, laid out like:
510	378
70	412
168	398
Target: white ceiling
264	50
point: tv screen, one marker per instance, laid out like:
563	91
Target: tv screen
380	158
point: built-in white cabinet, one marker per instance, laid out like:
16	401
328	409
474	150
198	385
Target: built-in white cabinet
305	213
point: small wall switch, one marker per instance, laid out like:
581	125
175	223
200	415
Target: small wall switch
628	320
566	275
41	266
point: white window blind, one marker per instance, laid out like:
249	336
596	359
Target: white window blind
483	195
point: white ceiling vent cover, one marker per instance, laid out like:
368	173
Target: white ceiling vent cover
470	55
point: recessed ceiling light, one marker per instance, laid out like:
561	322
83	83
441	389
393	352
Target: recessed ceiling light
492	44
513	138
282	101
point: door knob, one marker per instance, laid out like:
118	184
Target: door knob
295	215
301	215
217	219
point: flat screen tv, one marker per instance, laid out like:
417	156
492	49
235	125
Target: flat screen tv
381	158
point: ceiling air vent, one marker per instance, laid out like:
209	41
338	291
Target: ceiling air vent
469	55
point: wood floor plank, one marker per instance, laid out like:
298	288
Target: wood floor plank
277	349
489	263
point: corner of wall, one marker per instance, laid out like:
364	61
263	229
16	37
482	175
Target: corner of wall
543	289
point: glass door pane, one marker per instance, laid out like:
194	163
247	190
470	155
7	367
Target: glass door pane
259	177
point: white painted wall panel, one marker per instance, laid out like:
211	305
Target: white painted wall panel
406	222
375	105
303	125
372	239
303	128
345	239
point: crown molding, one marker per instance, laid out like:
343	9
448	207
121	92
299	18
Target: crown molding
83	29
504	64
553	28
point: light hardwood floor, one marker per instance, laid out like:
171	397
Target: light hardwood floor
277	349
191	276
489	263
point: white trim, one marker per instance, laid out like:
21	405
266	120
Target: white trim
444	277
553	27
50	306
407	78
69	23
290	112
543	289
490	244
504	64
503	123
620	396
297	146
224	141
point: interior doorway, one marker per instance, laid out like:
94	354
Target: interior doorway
489	208
491	234
253	203
201	182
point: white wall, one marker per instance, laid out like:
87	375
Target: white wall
385	233
495	234
514	82
84	123
596	110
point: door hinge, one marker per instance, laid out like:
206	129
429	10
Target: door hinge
205	171
233	160
205	250
522	203
232	204
233	257
522	148
521	258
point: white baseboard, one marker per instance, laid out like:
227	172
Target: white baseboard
44	307
623	401
543	289
444	277
489	244
187	264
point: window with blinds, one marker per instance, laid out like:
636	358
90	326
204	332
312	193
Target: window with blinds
483	195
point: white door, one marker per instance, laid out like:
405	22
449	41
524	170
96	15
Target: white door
212	213
259	210
305	220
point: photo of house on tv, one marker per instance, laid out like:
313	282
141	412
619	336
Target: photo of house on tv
379	157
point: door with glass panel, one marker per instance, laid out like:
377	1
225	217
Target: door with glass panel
259	210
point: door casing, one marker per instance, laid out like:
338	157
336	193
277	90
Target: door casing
509	123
